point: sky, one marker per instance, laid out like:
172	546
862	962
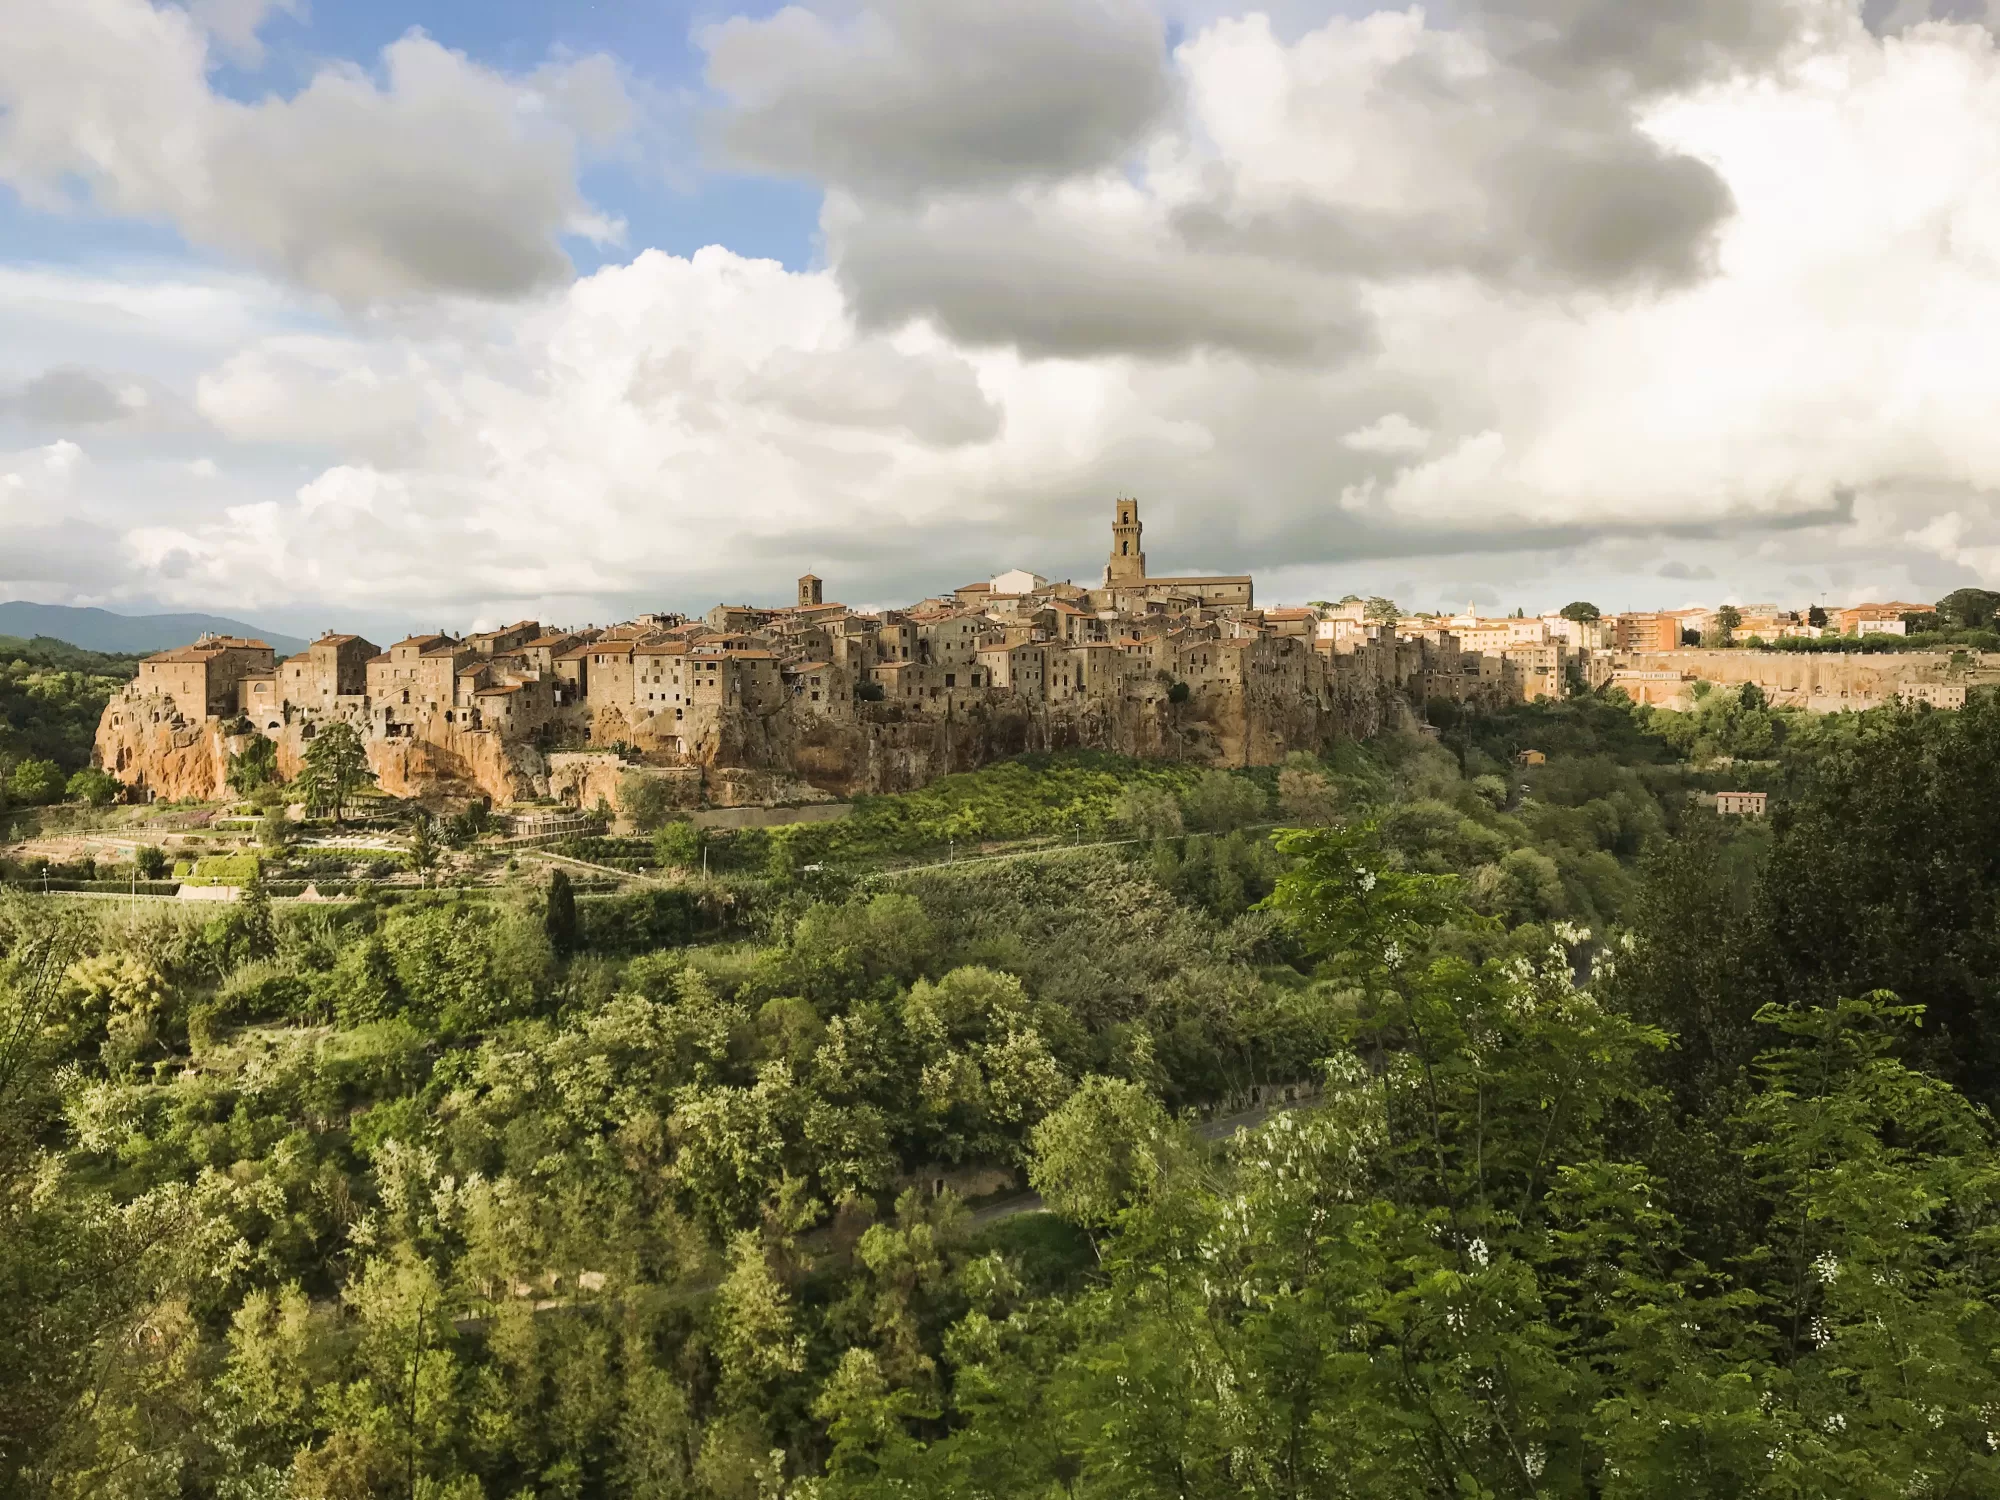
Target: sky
399	314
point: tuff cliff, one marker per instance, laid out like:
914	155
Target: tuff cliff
780	755
142	741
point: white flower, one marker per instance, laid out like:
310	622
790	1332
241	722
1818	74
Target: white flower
1534	1460
1367	881
1827	1268
1477	1250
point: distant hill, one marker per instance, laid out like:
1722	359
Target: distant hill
101	630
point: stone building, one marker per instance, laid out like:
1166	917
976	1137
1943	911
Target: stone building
850	700
200	681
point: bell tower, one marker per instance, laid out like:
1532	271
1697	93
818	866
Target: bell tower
809	590
1128	556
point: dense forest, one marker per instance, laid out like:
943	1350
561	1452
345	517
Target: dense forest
51	697
1487	1127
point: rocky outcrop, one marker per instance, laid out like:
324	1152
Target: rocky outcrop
750	759
144	743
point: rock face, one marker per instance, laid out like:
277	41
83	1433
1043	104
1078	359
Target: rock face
144	743
780	756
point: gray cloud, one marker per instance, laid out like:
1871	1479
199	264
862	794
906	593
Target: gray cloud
934	397
903	96
1609	213
1055	283
71	398
1641	46
1686	572
1519	172
71	395
1891	17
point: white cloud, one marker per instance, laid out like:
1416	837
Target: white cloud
969	369
444	176
1390	433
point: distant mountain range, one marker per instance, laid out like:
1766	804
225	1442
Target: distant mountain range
101	630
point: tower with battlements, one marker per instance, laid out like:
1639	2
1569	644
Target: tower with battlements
1128	554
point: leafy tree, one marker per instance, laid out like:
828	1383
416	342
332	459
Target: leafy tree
1220	801
1969	609
93	787
1148	812
1382	611
36	782
1816	617
152	861
1582	612
423	854
255	766
1101	1152
335	770
559	915
274	828
678	845
646	801
1178	693
1728	620
1305	794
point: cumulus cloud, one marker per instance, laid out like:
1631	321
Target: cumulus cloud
1389	147
1312	338
441	176
235	24
69	395
1084	270
1392	433
900	96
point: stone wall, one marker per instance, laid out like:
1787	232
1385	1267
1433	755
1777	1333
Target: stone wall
1823	682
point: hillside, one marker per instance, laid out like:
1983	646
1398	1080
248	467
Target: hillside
1515	1129
101	630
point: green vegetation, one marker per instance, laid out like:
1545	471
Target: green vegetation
335	771
1611	1170
51	696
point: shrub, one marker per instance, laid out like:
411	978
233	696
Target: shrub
93	787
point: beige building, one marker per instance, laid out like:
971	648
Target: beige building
200	680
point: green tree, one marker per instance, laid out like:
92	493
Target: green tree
678	845
1102	1151
646	801
255	766
335	770
93	787
36	782
559	920
1220	801
1147	812
152	861
1728	620
1969	609
1582	612
423	853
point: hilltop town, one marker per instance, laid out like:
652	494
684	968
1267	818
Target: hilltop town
809	699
